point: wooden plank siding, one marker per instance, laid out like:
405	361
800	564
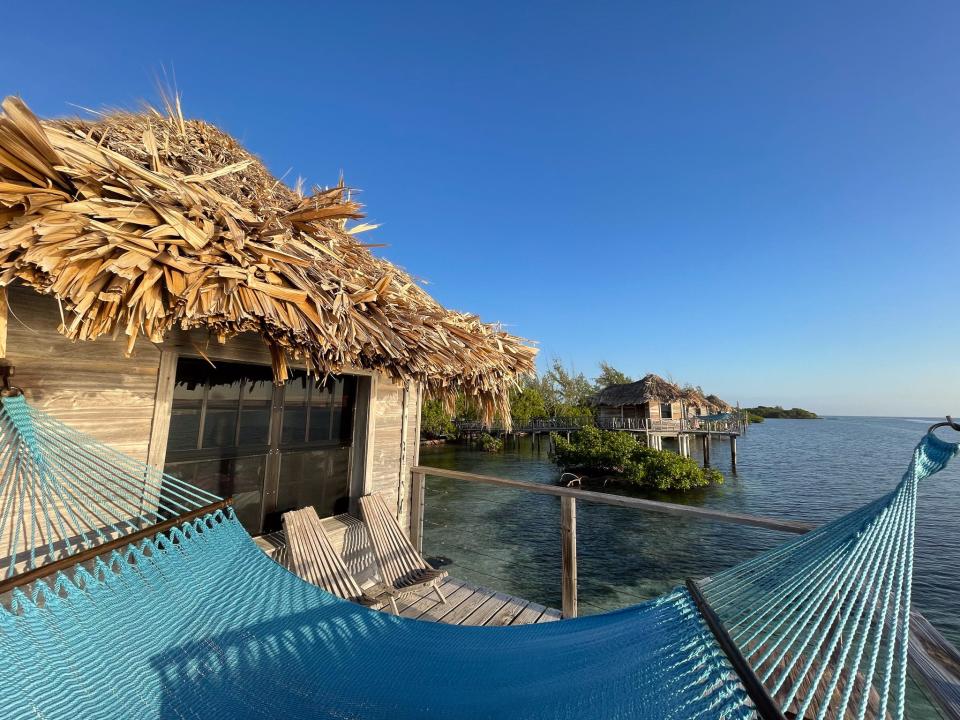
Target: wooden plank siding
91	386
396	437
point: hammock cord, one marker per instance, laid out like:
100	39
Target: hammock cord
62	491
822	621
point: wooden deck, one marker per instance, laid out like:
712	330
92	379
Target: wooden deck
937	663
467	604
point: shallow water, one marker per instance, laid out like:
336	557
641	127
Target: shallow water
812	470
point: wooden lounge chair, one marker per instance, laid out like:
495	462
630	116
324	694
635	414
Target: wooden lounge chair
311	557
402	568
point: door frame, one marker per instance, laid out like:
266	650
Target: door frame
360	465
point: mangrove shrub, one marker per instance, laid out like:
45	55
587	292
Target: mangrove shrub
489	443
600	453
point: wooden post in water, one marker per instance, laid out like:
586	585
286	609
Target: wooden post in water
733	452
417	496
706	449
568	556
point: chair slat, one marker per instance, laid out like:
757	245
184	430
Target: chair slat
313	558
402	568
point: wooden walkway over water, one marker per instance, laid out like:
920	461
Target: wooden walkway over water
683	430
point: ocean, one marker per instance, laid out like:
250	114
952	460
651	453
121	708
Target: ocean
811	470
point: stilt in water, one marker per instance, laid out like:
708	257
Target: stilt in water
733	452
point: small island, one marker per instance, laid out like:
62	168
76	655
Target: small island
762	412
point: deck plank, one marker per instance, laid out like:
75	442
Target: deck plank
464	609
508	613
490	607
417	597
937	663
529	615
438	610
421	603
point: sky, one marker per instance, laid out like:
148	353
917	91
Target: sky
758	198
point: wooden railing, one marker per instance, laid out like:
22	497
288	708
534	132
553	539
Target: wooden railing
933	660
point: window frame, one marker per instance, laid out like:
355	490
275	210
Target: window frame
274	448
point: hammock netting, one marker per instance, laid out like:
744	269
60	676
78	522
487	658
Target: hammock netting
196	622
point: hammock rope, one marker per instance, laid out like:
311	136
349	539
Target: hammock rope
196	622
61	491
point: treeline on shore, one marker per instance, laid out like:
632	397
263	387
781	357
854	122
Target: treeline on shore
761	412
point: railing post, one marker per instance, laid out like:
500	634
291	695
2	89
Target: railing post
568	555
417	492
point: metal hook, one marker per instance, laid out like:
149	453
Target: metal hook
949	423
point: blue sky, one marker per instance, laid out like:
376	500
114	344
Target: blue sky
757	197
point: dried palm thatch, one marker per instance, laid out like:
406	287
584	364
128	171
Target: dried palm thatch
693	397
142	223
718	405
649	388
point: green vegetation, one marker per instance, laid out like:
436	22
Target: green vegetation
609	375
526	404
779	413
754	418
609	453
435	420
489	443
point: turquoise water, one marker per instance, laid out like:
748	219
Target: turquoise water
812	470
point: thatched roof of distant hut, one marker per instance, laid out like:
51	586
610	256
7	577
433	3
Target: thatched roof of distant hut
651	387
718	405
142	223
693	397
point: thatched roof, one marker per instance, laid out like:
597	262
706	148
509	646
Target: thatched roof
693	397
650	388
142	223
718	405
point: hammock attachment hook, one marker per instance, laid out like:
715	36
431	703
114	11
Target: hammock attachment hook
950	423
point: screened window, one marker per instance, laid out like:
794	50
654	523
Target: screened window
666	411
272	449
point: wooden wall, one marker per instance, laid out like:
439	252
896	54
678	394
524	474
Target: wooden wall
396	441
89	385
606	412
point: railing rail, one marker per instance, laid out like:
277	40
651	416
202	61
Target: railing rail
791	526
933	660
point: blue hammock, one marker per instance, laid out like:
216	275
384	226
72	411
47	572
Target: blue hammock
196	622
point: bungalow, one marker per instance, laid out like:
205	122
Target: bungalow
164	293
653	402
649	399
